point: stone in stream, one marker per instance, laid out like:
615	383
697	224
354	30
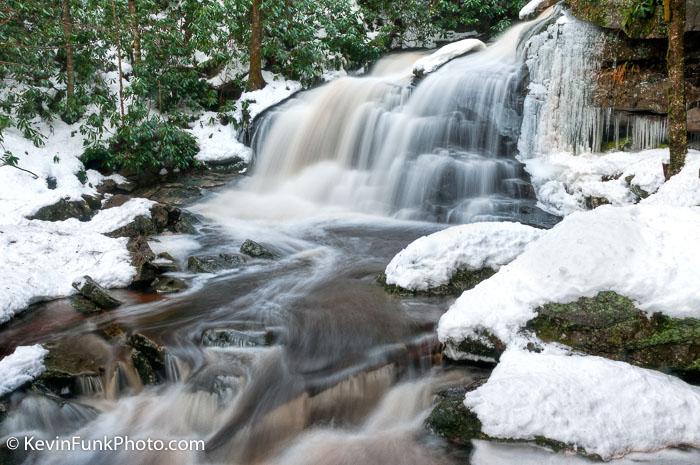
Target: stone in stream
255	250
610	325
92	291
168	285
461	281
452	420
224	337
148	358
213	263
141	258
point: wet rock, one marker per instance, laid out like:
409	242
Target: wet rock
452	420
183	222
539	9
84	306
92	291
140	226
71	361
168	285
595	202
611	326
237	338
165	265
213	263
63	210
141	259
482	347
117	200
255	250
148	358
461	281
51	183
160	216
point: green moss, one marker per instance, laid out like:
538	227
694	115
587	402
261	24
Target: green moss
451	419
461	281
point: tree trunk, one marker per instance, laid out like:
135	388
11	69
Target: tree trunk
118	42
68	34
255	79
677	116
136	32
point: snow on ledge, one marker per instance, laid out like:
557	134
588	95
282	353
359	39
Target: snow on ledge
22	366
609	408
431	261
444	54
529	10
648	253
276	90
218	143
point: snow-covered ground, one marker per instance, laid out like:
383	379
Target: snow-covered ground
431	261
609	408
562	181
444	54
216	141
648	253
276	90
23	365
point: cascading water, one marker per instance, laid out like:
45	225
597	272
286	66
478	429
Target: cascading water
442	151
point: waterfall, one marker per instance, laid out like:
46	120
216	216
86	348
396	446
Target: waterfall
442	150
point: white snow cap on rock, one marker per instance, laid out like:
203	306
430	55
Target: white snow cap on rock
609	408
23	365
444	54
529	9
648	253
276	90
432	260
216	141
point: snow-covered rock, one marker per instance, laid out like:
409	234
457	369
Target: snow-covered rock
218	143
23	365
432	260
444	54
648	253
563	181
276	90
533	7
609	408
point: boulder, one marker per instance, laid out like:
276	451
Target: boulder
461	281
140	226
84	306
213	263
148	358
255	250
452	420
483	347
63	210
117	200
88	288
141	258
610	325
168	285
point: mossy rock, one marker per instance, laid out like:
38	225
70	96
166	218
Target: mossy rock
483	347
611	326
452	420
623	15
461	281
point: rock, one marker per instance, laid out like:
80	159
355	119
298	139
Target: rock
539	9
93	201
51	182
184	223
71	361
595	202
110	186
141	259
165	266
63	210
452	420
148	358
224	337
167	285
461	281
611	326
160	216
117	200
483	347
213	263
84	306
92	291
140	226
255	250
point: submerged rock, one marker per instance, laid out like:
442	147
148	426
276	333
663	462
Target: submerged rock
611	326
452	420
213	263
225	337
92	291
461	281
255	250
168	285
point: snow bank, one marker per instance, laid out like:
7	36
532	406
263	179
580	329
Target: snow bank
648	253
444	54
22	195
682	189
41	259
608	408
276	90
563	181
23	365
216	141
432	260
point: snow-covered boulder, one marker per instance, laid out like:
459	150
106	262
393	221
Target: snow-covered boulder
22	366
534	8
446	53
608	408
433	261
647	253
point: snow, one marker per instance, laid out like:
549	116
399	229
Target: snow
23	365
444	54
648	253
431	261
22	195
216	141
276	90
562	181
530	8
609	408
41	259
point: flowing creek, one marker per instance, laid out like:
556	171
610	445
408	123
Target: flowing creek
346	175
